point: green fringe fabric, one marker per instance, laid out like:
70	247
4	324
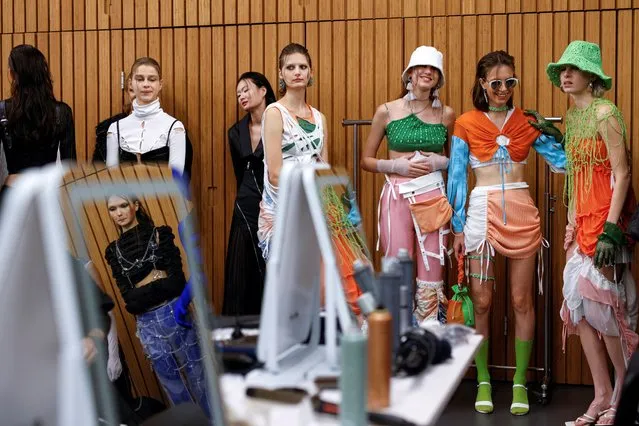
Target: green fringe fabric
583	127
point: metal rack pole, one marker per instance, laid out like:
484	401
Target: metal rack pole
549	204
356	124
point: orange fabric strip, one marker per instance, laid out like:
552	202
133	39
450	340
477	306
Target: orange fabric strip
481	134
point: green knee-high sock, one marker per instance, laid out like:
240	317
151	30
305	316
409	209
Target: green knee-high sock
484	401
523	349
481	361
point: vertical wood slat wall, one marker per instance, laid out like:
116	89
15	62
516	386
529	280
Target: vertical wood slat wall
359	49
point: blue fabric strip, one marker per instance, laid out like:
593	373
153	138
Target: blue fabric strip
457	187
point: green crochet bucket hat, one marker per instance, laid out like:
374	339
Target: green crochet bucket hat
583	55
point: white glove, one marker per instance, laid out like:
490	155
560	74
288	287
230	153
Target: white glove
397	166
114	366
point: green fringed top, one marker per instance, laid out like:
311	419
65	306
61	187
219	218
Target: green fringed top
585	129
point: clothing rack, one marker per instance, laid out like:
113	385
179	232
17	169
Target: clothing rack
543	394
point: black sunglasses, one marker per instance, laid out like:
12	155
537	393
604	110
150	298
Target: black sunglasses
508	83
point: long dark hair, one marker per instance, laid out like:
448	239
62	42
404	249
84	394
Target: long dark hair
260	81
289	50
485	64
32	113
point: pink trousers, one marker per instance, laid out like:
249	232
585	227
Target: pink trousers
397	229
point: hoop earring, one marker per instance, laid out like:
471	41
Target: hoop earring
282	85
310	82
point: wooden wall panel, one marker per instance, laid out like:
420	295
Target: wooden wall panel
42	11
338	145
179	13
359	49
152	13
353	108
205	160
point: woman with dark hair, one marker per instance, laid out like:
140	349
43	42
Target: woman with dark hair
35	127
147	268
245	268
599	290
413	209
495	139
148	134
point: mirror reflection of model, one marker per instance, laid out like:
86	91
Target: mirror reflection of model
147	268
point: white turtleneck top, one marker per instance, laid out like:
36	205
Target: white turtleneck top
144	130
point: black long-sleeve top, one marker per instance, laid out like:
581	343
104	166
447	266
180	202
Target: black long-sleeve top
162	254
248	166
23	154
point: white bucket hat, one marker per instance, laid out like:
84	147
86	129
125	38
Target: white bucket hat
425	55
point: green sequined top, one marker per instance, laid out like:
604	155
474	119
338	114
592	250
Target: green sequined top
412	134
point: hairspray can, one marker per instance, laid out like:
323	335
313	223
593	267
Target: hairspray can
352	381
407	293
389	287
379	359
363	274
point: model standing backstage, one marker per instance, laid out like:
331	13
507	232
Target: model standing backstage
599	291
294	131
245	268
413	209
148	134
495	139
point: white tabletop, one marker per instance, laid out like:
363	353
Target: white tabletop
420	399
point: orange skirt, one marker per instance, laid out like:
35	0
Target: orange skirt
516	237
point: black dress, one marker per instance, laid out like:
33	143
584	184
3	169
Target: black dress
245	268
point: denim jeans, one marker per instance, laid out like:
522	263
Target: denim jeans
175	356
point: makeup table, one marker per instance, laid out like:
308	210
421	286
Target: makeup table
420	399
